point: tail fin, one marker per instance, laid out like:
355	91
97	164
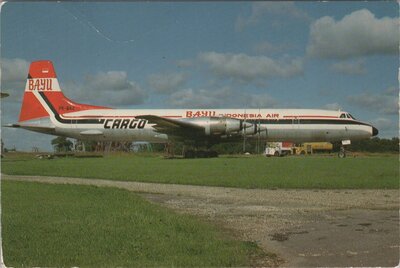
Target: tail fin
43	96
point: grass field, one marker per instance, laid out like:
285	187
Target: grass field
64	226
245	172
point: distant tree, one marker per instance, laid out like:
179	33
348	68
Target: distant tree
221	148
85	145
91	145
61	144
158	147
369	145
237	147
228	147
373	145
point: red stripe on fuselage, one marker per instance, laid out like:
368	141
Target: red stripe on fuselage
309	116
98	116
172	116
113	116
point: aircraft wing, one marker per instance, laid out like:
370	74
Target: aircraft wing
42	129
173	127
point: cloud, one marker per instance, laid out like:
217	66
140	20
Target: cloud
166	83
357	34
259	10
349	68
392	91
250	68
200	98
104	88
14	73
14	70
107	88
224	97
386	103
332	106
387	128
261	101
384	124
186	63
267	47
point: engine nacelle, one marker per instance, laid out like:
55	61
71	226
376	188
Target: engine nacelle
254	129
218	126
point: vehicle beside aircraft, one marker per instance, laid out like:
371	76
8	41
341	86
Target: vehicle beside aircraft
46	109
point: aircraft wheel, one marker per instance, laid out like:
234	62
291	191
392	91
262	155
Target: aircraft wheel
276	154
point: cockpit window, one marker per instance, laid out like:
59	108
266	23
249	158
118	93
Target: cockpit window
352	117
348	116
343	116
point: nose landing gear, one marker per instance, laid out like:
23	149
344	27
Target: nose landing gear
342	152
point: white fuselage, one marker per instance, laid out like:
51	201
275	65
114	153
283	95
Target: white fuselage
296	125
45	109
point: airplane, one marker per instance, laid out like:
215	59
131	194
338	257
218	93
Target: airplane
45	109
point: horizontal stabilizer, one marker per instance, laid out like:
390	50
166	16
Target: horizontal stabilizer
34	127
12	125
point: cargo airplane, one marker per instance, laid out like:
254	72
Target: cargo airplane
45	109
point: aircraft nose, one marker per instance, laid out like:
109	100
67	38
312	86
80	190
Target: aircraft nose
375	131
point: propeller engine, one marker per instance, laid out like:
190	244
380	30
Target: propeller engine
219	126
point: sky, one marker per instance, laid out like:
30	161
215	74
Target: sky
330	55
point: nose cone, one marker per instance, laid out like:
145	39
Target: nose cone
374	131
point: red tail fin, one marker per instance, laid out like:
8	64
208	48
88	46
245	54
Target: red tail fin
43	94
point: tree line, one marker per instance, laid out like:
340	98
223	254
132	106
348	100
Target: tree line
376	145
373	145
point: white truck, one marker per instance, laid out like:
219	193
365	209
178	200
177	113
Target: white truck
278	148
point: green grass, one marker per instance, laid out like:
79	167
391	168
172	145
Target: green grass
62	226
245	172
